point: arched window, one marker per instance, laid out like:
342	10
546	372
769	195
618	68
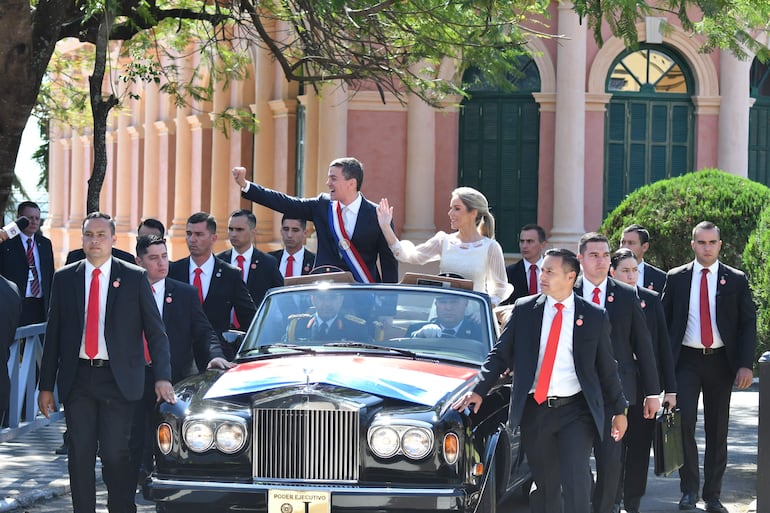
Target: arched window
649	126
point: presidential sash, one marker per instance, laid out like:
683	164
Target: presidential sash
347	249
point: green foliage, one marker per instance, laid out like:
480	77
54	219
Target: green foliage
669	209
756	262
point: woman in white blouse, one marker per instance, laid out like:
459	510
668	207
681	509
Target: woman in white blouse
470	251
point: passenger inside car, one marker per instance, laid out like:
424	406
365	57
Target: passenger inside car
327	322
451	321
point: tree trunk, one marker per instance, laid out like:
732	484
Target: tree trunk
100	107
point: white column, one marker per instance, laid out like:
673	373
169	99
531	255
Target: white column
569	158
333	131
733	149
420	170
150	189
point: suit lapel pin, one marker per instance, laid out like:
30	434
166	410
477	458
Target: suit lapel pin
253	265
168	299
219	273
579	321
611	297
644	305
116	283
722	281
650	287
306	269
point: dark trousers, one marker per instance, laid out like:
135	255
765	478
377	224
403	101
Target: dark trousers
697	373
557	442
635	454
142	432
607	453
99	417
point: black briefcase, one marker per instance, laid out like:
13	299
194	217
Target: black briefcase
667	442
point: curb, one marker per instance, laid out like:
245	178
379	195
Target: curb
28	499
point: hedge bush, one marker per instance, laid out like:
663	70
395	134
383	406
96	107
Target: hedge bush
670	209
756	262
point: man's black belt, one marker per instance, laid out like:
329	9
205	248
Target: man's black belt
558	402
95	362
705	350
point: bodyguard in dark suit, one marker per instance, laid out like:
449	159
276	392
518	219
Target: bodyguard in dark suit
94	354
27	260
9	321
194	347
219	284
294	259
632	349
638	439
565	381
637	239
349	237
259	270
712	324
524	274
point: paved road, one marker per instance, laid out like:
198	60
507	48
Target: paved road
20	466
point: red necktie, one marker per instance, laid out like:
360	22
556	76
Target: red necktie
706	335
596	299
239	260
92	316
289	267
197	283
532	279
147	358
34	285
546	368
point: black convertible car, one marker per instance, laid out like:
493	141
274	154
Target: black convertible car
341	401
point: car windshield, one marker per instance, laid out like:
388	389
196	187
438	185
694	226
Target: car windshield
423	322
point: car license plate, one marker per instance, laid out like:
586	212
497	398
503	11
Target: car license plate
298	501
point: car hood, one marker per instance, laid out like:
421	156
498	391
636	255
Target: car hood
415	381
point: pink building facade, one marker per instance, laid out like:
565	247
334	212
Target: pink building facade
589	125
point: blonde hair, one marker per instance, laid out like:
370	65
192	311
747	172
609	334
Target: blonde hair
474	200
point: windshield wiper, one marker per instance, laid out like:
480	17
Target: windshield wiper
362	345
267	347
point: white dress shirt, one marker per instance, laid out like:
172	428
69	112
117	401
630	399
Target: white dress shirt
588	291
299	258
564	381
692	331
350	214
206	275
538	266
104	282
24	238
246	261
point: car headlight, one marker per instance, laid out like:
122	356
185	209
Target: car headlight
412	439
199	436
230	437
417	442
384	441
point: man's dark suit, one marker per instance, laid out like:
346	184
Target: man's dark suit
344	327
100	401
367	236
78	254
713	373
263	274
518	278
308	261
518	350
9	320
632	349
638	439
226	291
192	344
14	266
653	278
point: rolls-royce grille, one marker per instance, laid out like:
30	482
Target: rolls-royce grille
306	444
